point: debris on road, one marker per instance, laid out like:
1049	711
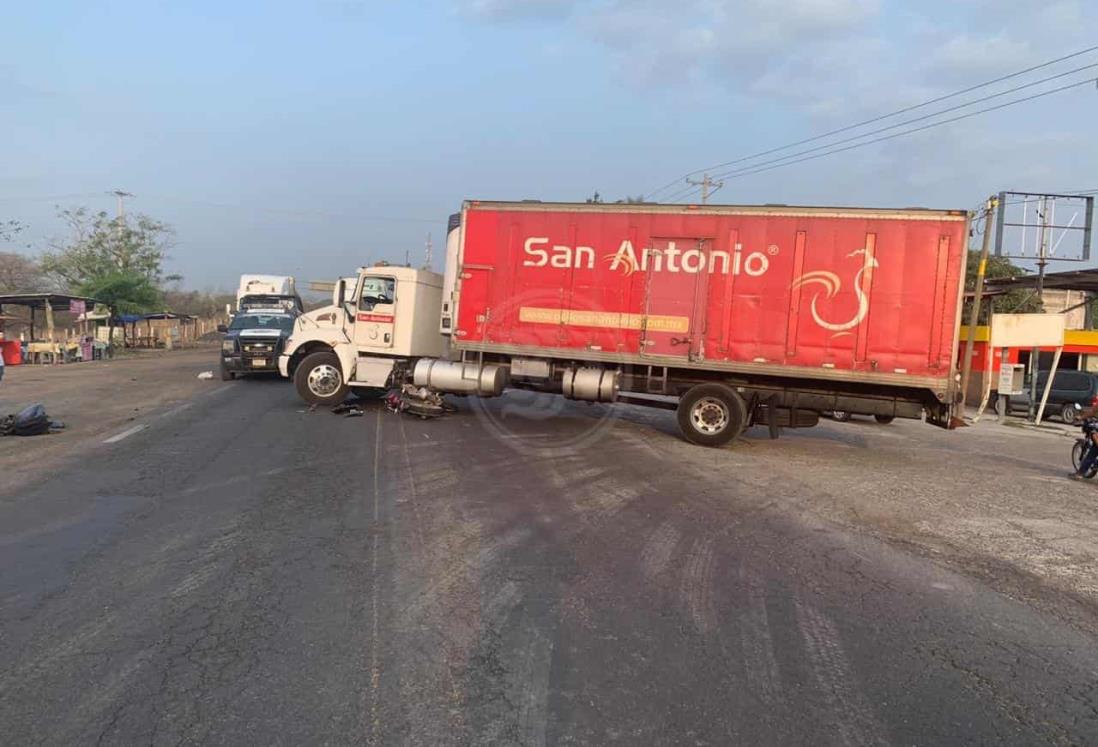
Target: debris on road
206	375
418	400
348	410
30	421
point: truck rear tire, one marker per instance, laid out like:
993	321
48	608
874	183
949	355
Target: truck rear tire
884	419
319	379
711	414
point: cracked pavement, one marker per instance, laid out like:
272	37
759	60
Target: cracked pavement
247	572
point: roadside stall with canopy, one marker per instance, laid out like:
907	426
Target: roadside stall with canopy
43	341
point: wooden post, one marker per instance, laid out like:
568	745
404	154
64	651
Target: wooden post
1048	385
974	312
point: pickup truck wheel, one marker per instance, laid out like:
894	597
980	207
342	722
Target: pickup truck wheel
884	419
711	414
226	374
319	379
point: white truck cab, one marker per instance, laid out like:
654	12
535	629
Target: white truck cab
378	325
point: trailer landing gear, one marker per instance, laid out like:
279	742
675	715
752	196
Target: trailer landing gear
711	414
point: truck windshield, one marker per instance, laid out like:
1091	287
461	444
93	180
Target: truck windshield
262	321
376	290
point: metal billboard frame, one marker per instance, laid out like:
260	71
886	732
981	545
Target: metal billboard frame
1087	228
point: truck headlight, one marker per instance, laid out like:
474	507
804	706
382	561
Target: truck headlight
228	346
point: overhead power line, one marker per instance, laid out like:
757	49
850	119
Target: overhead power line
872	120
913	120
843	149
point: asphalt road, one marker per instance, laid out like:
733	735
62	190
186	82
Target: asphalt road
244	571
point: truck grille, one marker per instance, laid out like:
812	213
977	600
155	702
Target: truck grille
266	347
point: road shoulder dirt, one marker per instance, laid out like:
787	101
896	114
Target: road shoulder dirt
96	400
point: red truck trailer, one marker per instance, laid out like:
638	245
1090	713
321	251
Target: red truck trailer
728	314
746	313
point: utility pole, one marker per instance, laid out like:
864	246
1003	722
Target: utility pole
708	186
121	202
120	219
974	312
427	262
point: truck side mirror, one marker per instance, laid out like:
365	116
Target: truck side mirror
350	309
222	328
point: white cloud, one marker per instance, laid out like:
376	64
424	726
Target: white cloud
734	40
823	64
966	57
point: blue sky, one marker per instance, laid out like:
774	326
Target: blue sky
312	137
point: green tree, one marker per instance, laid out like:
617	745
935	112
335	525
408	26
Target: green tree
1020	301
124	292
123	258
119	261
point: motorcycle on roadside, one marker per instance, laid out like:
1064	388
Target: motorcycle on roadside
1084	443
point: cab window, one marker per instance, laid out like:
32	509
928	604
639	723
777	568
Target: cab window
376	290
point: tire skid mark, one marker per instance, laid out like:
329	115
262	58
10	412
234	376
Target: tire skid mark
78	643
373	730
696	588
532	674
657	551
606	497
854	720
757	644
194	580
477	566
413	492
518	702
209	558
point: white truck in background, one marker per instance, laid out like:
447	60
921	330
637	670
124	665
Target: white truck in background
267	292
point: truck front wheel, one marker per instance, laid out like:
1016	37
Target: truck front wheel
319	379
711	414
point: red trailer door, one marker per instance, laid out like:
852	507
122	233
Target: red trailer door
672	324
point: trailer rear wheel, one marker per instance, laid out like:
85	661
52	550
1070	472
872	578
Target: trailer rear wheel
711	414
319	379
884	419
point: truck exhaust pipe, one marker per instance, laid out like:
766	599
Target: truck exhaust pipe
485	380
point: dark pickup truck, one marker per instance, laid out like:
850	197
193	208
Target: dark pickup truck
253	341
